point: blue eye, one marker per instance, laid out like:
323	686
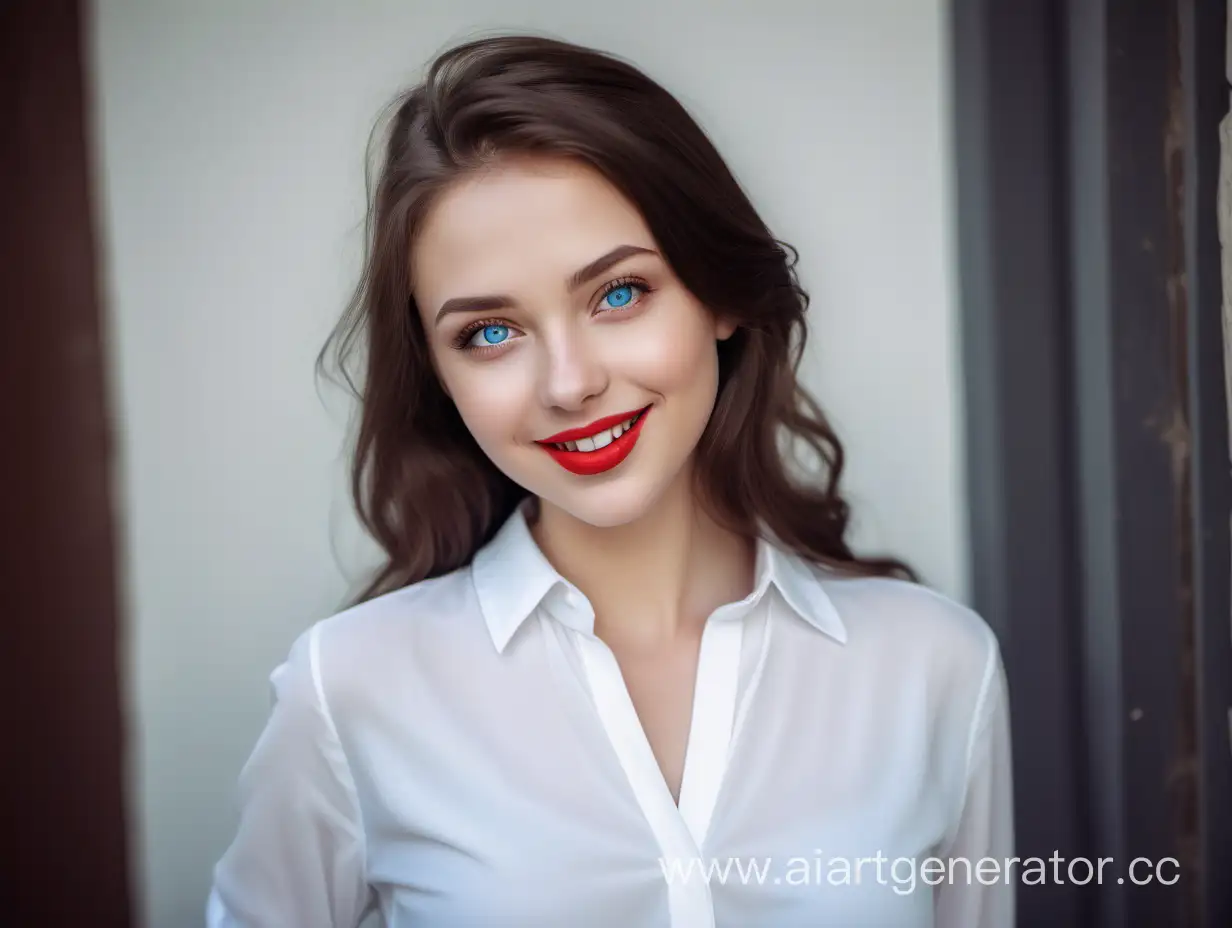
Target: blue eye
619	297
624	295
493	334
484	334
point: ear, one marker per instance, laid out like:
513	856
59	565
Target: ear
724	328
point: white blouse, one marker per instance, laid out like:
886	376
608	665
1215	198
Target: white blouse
464	752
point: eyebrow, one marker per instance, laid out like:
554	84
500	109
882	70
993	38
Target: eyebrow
466	304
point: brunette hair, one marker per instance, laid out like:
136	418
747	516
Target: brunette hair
421	484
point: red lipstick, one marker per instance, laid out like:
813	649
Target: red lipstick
588	463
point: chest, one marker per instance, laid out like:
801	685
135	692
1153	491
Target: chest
662	690
557	809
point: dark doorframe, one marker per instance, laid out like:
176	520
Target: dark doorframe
1205	100
63	758
1008	116
1087	147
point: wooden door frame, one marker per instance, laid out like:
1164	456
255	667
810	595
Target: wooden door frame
64	769
1087	147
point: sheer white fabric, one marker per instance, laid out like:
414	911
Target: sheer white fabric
464	752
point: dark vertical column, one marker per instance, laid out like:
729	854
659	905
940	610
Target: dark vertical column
64	826
1209	664
1011	184
1098	454
1130	328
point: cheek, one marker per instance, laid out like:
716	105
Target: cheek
680	355
490	400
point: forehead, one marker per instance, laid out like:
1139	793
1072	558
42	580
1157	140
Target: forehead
522	223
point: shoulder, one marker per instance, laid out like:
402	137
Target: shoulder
405	610
911	629
399	637
921	652
885	606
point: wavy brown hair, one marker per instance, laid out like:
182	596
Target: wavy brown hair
422	486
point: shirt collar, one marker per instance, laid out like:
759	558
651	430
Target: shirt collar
512	577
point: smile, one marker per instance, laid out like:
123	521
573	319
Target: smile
597	447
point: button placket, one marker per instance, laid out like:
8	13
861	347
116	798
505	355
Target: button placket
690	903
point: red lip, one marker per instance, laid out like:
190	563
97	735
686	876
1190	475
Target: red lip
587	430
589	463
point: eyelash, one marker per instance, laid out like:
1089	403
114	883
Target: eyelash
460	341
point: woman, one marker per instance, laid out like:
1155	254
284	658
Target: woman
620	667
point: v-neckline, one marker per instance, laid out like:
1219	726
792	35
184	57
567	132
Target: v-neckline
711	727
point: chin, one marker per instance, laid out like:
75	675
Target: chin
602	510
618	503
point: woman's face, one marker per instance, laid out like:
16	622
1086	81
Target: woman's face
548	309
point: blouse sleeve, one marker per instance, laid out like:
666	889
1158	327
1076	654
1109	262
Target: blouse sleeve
298	856
985	830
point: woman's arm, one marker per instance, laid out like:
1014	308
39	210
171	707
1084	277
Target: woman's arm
986	827
298	857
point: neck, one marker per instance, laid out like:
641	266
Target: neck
654	580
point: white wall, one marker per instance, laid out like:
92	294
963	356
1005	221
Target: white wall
230	144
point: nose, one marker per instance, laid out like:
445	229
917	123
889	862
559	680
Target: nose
571	372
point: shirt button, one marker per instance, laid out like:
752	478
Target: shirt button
571	598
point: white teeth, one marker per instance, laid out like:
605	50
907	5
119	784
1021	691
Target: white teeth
600	439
